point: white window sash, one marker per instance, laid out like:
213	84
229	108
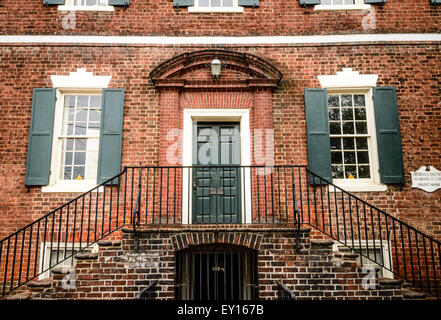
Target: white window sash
56	184
71	6
198	9
358	5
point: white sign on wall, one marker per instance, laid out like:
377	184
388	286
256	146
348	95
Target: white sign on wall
426	178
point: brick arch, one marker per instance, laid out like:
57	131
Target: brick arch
185	240
191	70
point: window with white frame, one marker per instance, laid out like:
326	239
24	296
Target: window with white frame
215	6
352	130
93	5
51	253
342	5
375	253
350	136
76	134
78	137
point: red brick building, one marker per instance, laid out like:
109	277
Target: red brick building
234	149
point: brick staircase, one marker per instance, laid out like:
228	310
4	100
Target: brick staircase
315	271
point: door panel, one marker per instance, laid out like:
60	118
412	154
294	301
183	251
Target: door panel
216	189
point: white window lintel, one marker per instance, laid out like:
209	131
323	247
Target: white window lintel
81	79
347	78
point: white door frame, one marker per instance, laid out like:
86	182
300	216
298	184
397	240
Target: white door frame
241	115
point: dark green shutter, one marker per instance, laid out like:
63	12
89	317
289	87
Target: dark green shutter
388	135
317	130
53	2
249	3
109	159
435	1
40	137
309	2
183	3
124	3
374	1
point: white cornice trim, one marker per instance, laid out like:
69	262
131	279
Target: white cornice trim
258	40
348	78
80	79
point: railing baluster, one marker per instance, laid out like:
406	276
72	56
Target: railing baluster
59	236
154	192
358	226
322	206
427	265
6	267
411	256
418	257
434	268
351	223
336	214
73	232
286	194
29	251
174	198
396	246
404	252
13	262
272	194
147	196
160	195
365	231
278	184
258	195
66	232
96	212
266	208
110	206
329	212
37	246
21	257
81	224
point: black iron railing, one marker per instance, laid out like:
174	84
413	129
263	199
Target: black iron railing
215	196
149	292
375	235
283	293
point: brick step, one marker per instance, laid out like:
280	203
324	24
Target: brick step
20	296
110	243
413	295
87	256
46	283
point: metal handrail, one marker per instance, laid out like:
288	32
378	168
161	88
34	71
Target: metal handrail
165	195
149	292
283	293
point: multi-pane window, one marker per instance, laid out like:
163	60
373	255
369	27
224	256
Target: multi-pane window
341	2
349	136
215	3
87	3
80	137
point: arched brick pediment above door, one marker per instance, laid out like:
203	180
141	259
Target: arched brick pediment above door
192	70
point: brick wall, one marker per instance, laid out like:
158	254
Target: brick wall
413	69
118	272
273	17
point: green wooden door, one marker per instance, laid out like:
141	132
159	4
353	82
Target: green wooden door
216	184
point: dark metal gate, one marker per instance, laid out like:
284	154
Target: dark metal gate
216	273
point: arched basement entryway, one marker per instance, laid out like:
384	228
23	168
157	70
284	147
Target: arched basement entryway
218	272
